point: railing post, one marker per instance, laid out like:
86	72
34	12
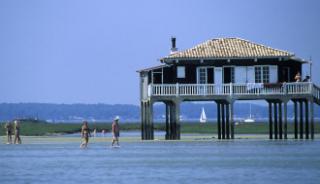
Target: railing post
311	88
177	89
149	90
285	88
231	90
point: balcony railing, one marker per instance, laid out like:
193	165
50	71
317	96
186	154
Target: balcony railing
233	89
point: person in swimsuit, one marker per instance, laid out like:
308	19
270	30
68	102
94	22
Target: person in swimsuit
8	127
17	139
85	133
115	131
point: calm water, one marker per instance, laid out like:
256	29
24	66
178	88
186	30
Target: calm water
239	161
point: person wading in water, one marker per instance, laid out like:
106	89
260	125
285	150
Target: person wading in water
17	139
115	131
85	133
8	127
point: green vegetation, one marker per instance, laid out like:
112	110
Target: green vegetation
38	128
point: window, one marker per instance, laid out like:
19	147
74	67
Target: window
261	74
202	75
181	72
232	74
265	74
257	74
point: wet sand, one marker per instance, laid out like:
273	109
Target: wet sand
184	138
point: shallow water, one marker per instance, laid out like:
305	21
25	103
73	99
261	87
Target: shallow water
238	161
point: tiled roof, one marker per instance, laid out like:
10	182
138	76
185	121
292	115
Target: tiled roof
228	48
152	68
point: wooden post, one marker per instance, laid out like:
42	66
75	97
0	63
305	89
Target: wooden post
280	120
223	125
270	121
219	120
285	121
227	122
307	119
301	119
275	121
295	119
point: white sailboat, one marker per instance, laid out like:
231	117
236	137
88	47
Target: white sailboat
203	117
250	119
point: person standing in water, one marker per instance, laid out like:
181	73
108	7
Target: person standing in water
8	127
115	131
85	133
17	139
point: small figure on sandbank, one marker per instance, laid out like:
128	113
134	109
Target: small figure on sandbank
8	127
115	131
85	133
17	139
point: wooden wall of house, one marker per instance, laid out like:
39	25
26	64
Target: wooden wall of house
170	73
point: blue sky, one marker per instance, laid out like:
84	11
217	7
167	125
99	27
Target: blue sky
80	51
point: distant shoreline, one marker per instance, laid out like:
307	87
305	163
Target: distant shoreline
50	129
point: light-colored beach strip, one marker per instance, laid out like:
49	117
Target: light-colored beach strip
184	138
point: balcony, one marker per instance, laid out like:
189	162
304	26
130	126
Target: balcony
246	91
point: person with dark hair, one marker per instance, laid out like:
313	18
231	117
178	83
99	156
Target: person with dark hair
8	127
307	79
85	133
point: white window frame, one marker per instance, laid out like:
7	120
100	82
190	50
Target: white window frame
262	78
198	74
181	72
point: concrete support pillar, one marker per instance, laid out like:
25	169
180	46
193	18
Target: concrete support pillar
231	120
219	120
151	120
285	120
312	119
295	119
301	119
223	125
147	121
227	121
280	120
167	121
270	121
275	121
307	119
177	120
172	122
143	120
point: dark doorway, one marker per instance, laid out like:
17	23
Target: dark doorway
228	75
157	78
285	74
